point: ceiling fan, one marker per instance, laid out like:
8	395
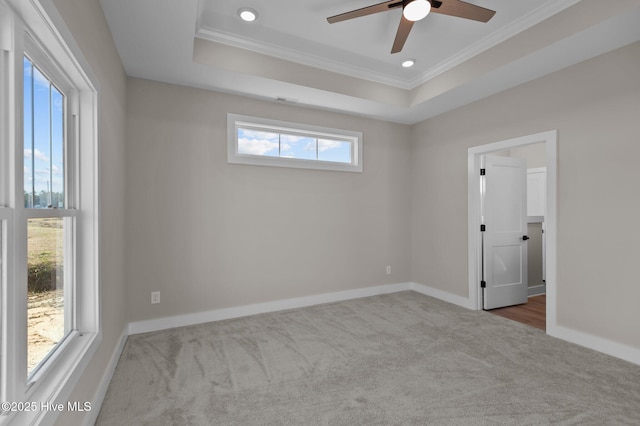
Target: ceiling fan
415	10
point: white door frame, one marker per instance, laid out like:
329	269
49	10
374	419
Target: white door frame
550	138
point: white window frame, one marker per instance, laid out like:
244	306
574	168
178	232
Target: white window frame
69	212
236	121
36	28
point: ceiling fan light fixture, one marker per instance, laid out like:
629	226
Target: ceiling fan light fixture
247	14
415	10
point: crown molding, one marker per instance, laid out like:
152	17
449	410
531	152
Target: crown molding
302	58
527	21
543	12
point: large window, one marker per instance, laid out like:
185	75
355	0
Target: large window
50	239
49	269
264	142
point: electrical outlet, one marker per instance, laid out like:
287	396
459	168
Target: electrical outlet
155	297
388	269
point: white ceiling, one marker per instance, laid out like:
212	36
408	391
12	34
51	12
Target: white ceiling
292	52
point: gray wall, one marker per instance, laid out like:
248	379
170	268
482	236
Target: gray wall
210	235
598	175
86	21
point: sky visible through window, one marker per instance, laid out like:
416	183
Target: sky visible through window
273	144
43	140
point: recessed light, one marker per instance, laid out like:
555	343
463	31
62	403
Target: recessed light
408	63
247	14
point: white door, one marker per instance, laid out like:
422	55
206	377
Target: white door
504	216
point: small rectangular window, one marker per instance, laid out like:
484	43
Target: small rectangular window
264	142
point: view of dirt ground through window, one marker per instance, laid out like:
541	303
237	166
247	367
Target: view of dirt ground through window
45	296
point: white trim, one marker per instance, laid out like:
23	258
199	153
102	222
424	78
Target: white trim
536	169
535	219
105	381
260	308
536	290
464	302
609	347
534	17
298	57
67	43
64	380
550	138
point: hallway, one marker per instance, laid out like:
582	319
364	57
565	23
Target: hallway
532	313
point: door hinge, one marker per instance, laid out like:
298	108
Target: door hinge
483	284
483	228
482	172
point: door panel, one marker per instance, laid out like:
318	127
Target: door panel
504	205
506	264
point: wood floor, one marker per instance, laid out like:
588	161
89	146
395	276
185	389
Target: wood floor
532	313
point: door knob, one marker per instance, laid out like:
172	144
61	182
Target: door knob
525	238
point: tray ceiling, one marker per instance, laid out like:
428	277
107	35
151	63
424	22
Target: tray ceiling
291	53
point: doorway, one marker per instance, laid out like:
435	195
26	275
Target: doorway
549	139
532	313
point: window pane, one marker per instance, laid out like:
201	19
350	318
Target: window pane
56	169
45	292
332	150
43	140
28	134
255	142
301	147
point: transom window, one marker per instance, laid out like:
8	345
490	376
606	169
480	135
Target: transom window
260	141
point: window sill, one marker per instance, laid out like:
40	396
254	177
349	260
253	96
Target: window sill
50	388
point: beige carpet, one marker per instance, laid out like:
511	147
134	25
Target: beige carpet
398	359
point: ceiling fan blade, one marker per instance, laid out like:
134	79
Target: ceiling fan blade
369	10
462	10
401	36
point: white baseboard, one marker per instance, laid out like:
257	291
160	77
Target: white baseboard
260	308
465	302
608	347
103	386
615	349
536	290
